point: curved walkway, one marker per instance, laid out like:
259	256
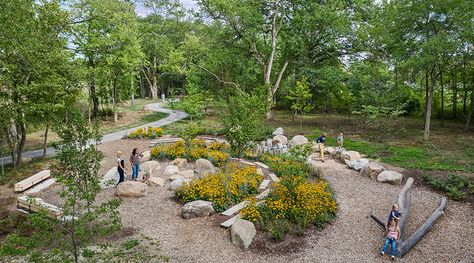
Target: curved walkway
173	116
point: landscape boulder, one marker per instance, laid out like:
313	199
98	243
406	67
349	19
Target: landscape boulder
298	140
329	150
175	184
131	189
242	233
156	181
110	178
150	167
338	152
146	156
349	156
180	162
171	170
372	170
175	176
359	164
390	177
203	164
279	139
197	208
187	173
279	131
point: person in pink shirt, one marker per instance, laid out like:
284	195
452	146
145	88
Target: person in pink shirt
393	234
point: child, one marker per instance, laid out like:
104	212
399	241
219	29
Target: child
320	141
392	235
135	163
146	176
340	140
394	213
120	167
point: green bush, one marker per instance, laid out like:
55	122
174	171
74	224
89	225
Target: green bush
456	186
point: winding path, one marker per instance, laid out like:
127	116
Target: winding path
173	116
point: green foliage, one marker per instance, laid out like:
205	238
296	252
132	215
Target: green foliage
456	186
301	96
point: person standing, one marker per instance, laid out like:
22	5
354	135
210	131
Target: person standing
163	97
340	140
135	163
120	167
320	141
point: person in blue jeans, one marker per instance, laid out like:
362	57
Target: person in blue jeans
135	163
392	235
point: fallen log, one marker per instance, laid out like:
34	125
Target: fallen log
378	220
407	244
404	201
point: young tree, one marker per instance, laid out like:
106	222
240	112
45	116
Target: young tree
300	98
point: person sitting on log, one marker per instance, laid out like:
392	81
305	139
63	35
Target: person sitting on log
394	213
392	235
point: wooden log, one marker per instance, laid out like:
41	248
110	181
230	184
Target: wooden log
378	220
32	180
407	244
404	201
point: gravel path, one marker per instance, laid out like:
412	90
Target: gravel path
353	236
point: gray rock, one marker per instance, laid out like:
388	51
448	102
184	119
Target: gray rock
329	150
146	156
279	131
242	233
187	173
279	139
171	170
110	178
175	184
338	152
359	164
298	140
131	189
156	181
180	162
175	176
349	156
203	164
390	177
197	208
150	167
372	170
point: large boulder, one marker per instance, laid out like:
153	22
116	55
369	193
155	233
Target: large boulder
359	164
298	140
203	164
349	156
175	184
180	162
279	131
175	176
187	173
280	139
156	181
390	177
372	170
146	156
110	178
171	170
338	152
197	208
242	233
329	150
150	167
131	189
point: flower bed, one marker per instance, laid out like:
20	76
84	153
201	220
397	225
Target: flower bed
224	188
294	204
216	152
147	133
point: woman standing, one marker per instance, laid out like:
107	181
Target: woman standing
135	163
120	167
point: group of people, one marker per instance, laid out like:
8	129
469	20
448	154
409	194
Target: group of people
135	157
392	232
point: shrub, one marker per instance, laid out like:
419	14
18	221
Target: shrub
147	133
286	165
223	188
456	186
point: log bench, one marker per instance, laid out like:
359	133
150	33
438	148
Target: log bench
32	180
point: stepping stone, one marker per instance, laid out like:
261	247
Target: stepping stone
264	166
230	222
40	187
235	208
264	185
262	195
274	178
32	180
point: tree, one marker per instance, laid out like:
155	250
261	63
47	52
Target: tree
300	98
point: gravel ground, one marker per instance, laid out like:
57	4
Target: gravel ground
353	236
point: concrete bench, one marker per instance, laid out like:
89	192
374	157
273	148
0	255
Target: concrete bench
31	204
32	180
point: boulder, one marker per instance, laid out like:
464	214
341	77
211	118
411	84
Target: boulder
110	178
390	177
359	164
170	170
26	159
280	139
329	150
150	167
372	170
131	189
197	208
242	233
180	162
298	140
156	181
203	164
146	156
278	131
187	173
349	156
338	152
175	176
175	184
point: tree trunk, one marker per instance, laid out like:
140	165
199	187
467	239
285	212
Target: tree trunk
22	142
153	88
426	134
132	91
455	95
45	143
471	111
464	106
426	94
442	99
92	91
269	66
142	87
114	100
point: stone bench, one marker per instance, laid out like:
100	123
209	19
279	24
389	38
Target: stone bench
31	204
32	180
